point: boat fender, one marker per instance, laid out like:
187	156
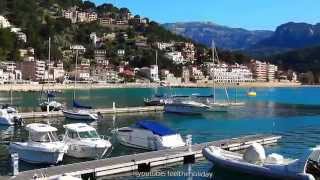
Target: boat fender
255	153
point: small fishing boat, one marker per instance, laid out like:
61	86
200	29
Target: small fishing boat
254	161
9	116
186	107
84	142
51	103
81	112
42	146
149	135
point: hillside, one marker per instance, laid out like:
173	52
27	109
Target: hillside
225	37
41	19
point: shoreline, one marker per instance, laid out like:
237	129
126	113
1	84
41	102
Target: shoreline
40	87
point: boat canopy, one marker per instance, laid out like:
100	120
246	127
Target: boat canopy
155	127
79	127
78	105
40	128
51	94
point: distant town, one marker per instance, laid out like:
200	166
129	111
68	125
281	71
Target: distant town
100	69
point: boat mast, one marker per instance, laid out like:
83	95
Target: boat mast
11	84
75	77
49	57
213	72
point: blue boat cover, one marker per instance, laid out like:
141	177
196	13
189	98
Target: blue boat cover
155	127
50	95
78	105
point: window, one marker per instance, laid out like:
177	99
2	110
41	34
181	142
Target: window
73	134
88	134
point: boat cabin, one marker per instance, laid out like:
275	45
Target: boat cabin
42	133
80	131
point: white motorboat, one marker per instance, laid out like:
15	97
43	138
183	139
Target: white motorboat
9	116
149	135
255	162
84	142
52	105
186	107
42	146
81	114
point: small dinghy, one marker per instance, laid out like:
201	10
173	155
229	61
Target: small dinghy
42	147
149	135
255	162
84	142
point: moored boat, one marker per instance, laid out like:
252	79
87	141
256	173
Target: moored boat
42	146
81	112
149	135
186	107
84	142
9	116
255	162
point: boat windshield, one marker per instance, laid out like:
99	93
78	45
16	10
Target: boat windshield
88	134
44	137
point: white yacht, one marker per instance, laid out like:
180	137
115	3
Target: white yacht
149	135
254	161
84	142
186	107
42	146
9	117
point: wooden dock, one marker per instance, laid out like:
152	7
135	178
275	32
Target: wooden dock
143	162
32	115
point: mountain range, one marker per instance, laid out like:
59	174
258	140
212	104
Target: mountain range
286	37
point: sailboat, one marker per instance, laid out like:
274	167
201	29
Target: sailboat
212	102
50	104
156	99
80	112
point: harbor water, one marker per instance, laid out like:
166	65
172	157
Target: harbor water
293	113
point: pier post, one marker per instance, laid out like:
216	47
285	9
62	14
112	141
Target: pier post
189	142
15	164
114	107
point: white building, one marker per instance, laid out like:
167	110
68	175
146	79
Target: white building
176	57
152	72
231	74
79	48
4	23
94	38
260	71
272	69
121	52
164	45
264	71
22	36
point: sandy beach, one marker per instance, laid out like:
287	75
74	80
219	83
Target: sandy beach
40	87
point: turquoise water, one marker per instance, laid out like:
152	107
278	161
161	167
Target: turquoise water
293	113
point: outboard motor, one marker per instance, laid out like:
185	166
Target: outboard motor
313	167
18	121
100	116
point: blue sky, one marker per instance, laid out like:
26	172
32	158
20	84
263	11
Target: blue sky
249	14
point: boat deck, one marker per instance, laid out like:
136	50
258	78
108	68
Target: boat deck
32	115
144	161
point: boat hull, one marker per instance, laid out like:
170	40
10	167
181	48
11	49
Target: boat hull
78	116
35	156
86	151
185	109
6	121
252	169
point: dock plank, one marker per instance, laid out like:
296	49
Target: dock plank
129	163
32	115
